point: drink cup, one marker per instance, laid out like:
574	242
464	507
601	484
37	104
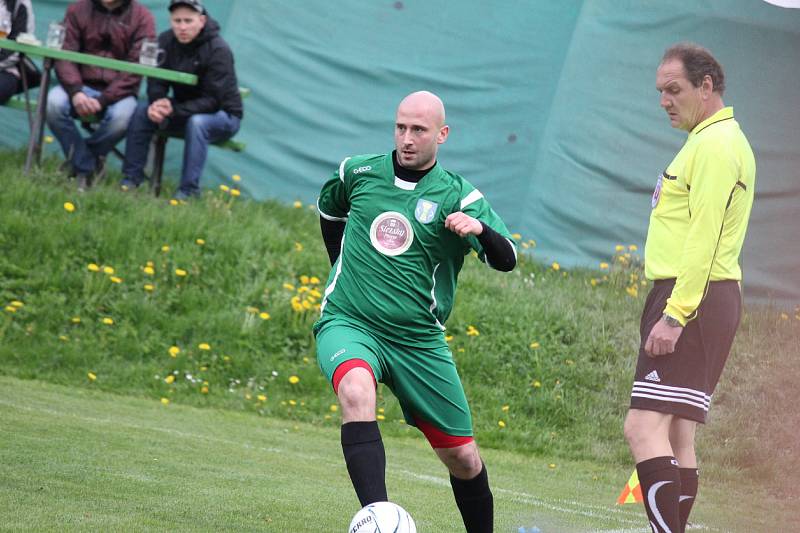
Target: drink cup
55	35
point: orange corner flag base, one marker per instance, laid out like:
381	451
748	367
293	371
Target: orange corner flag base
632	492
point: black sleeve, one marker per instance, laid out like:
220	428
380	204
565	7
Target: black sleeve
498	250
332	233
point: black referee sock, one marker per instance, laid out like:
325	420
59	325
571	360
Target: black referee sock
475	501
689	482
661	489
366	460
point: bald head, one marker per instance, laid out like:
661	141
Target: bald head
419	129
424	103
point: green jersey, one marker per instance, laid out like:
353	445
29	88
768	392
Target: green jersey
398	265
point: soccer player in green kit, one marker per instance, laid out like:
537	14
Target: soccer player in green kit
397	227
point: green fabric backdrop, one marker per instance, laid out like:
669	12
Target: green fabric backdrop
552	107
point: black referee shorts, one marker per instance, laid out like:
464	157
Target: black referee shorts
681	383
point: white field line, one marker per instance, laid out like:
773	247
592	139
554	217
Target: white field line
567	507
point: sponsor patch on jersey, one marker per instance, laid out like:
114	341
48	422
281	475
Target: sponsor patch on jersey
657	192
391	233
425	211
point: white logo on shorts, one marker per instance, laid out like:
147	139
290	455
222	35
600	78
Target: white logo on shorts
337	354
653	376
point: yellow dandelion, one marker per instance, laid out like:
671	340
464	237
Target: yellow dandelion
593	282
76	320
536	384
63	338
516	236
292	402
165	248
108	321
501	424
304	279
288	286
236	177
306	305
174	351
93	267
204	389
92	376
334	408
204	346
294	380
180	272
108	270
633	247
448	338
149	270
302	289
569	362
298	247
48	139
149	287
150	264
11	309
236	192
603	266
619	248
173	201
314	280
200	242
381	418
224	188
169	379
472	331
115	279
460	350
164	401
632	291
17	303
297	204
505	408
226	358
69	207
551	466
306	360
381	410
262	398
264	315
535	345
556	266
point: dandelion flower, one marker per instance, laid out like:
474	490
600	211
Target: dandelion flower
334	408
69	207
173	201
294	380
292	402
224	188
593	282
472	331
115	279
551	465
632	291
11	309
448	338
200	242
204	389
92	376
93	267
505	408
169	379
304	279
264	316
314	280
108	321
164	401
174	351
288	286
556	266
297	204
108	270
204	346
236	177
149	287
536	384
633	247
236	192
48	139
603	265
501	424
380	418
17	303
76	320
262	398
149	270
535	345
298	247
165	248
306	360
381	410
619	248
516	236
180	272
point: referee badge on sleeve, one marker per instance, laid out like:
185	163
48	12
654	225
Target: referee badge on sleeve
657	192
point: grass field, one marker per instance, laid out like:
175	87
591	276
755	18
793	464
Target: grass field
75	459
209	305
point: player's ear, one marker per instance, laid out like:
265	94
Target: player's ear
444	131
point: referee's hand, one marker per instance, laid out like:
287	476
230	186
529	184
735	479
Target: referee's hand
662	339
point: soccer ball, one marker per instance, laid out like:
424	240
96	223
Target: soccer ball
382	517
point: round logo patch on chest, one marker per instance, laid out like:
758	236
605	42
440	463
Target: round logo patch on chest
391	233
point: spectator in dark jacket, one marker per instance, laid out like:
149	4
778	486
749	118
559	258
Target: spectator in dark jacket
20	15
107	28
206	113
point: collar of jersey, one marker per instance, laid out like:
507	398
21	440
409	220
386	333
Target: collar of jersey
723	114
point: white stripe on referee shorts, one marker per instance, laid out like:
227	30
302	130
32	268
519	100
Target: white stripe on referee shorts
665	393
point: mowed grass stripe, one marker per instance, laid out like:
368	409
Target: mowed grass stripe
77	459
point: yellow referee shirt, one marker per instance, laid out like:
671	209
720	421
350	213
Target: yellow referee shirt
701	206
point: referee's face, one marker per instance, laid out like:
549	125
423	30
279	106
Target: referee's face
418	132
683	102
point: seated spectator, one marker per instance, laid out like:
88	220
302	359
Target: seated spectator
205	113
108	28
19	15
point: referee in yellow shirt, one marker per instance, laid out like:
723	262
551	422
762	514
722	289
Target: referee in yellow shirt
701	206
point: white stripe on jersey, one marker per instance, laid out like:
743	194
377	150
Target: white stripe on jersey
329	217
341	169
433	297
405	185
474	196
332	286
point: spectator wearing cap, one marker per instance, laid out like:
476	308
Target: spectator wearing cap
205	113
107	28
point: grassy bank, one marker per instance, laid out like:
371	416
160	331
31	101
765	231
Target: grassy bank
210	304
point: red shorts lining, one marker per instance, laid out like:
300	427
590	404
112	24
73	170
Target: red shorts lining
438	438
346	367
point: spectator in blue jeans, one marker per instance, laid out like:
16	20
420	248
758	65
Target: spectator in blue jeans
205	113
108	28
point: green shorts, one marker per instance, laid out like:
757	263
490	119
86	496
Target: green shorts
424	380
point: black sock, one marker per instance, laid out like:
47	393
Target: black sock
689	481
366	460
474	500
661	488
